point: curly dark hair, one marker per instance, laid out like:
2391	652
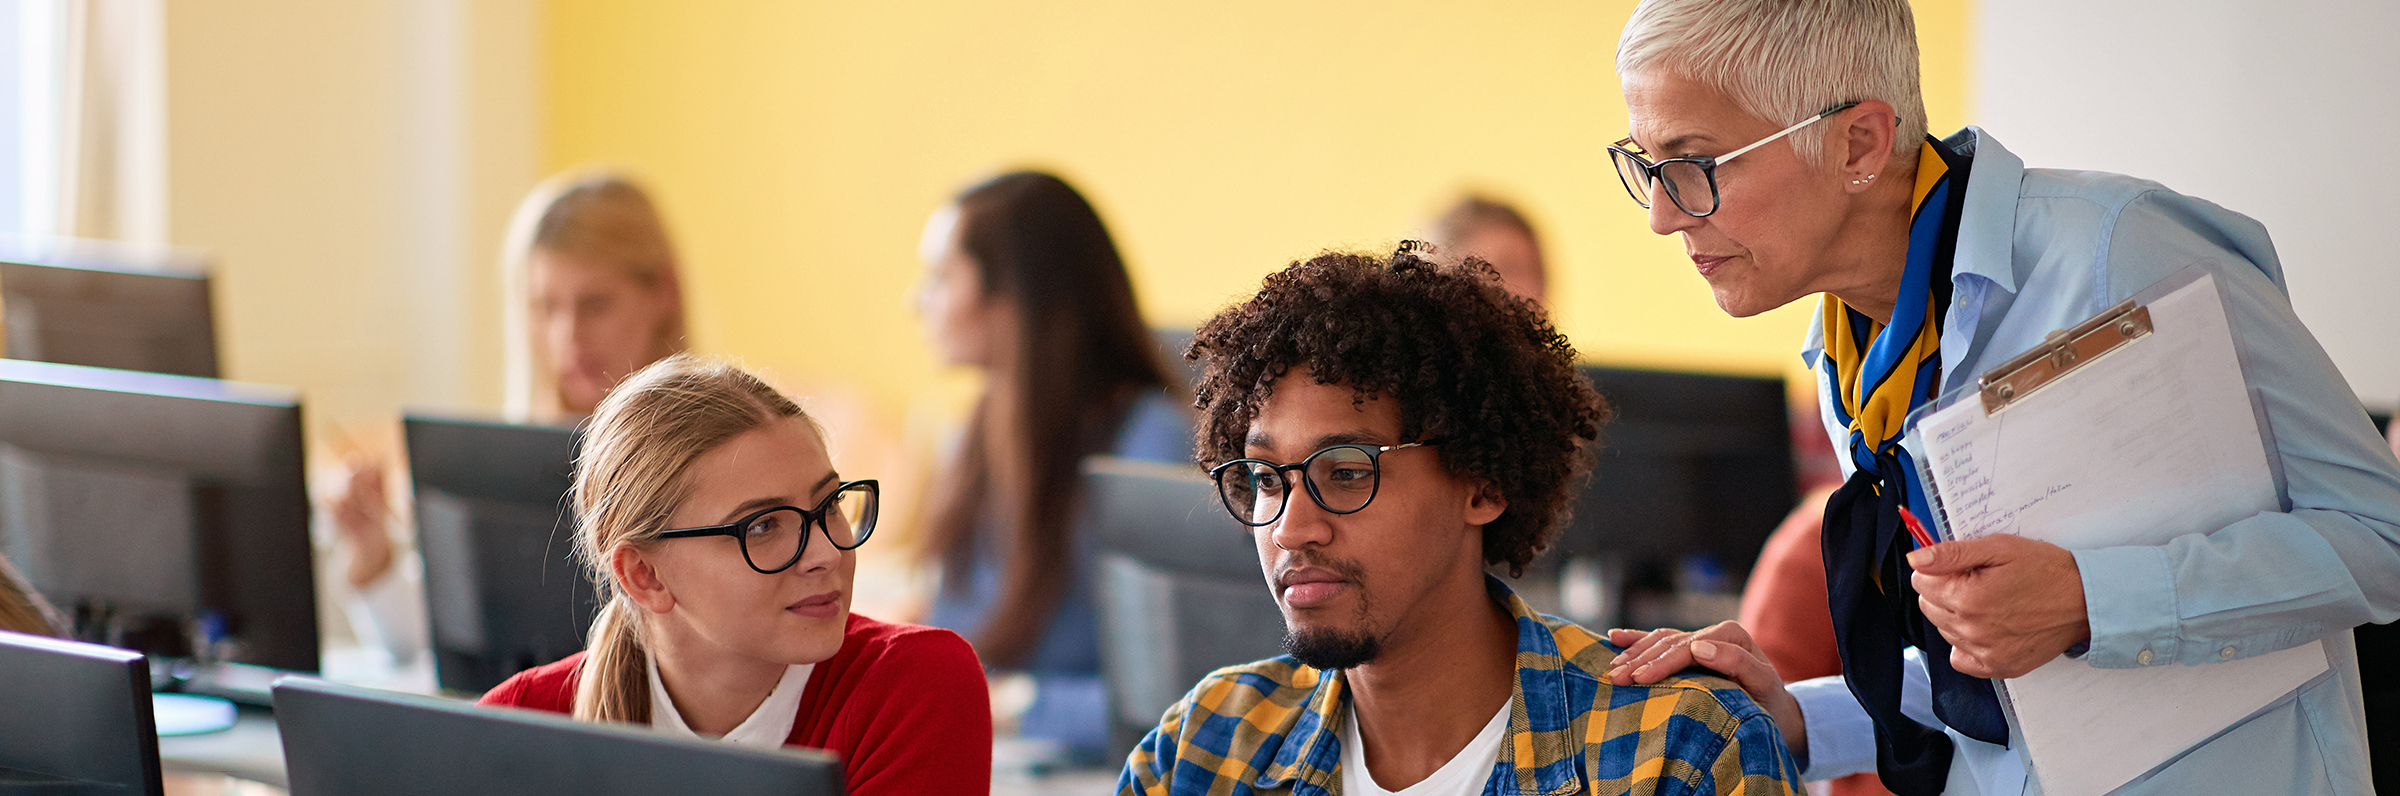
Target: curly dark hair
1469	364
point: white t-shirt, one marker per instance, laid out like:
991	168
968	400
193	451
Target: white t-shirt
766	728
1464	775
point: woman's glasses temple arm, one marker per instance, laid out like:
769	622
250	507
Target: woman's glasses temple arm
1787	131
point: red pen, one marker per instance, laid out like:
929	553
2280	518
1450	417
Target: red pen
1915	529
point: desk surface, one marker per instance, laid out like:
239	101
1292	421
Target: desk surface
217	785
251	750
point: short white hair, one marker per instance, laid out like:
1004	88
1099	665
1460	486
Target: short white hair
1785	60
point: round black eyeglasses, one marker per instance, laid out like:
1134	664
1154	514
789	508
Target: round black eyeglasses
1342	479
773	538
1691	181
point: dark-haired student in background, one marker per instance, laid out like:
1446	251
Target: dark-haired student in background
1024	285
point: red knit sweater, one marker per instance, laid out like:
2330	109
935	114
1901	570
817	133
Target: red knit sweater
905	706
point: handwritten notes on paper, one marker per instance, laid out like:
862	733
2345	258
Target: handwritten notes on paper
2150	441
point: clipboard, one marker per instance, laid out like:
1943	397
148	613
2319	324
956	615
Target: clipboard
2131	427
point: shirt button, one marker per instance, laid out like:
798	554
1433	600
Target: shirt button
2225	654
2142	659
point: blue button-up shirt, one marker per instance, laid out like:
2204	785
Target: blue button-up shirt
2039	250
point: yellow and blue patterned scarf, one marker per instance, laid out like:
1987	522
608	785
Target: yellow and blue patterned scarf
1879	373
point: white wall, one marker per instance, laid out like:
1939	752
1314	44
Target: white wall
351	166
2287	111
13	121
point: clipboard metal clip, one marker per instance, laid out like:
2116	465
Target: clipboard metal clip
2062	352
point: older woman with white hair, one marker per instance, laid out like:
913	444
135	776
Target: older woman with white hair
1785	141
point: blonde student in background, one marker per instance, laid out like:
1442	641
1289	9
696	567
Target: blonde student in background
591	295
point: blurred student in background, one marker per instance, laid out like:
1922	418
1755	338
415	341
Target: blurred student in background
723	543
591	295
1024	285
1497	233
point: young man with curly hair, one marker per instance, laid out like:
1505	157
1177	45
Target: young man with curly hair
1389	429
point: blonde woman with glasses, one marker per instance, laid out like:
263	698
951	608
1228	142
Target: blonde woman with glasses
713	522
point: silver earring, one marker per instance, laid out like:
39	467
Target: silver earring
1870	178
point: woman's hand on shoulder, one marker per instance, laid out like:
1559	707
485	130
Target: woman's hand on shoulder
1724	648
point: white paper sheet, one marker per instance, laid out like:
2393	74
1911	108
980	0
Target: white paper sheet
2148	442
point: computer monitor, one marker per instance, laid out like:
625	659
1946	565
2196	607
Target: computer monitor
503	591
341	740
1695	470
75	718
1178	584
167	514
110	306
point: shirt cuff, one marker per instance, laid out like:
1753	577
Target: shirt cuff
2129	598
1841	738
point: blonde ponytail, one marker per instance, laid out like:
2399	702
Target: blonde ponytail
628	481
615	685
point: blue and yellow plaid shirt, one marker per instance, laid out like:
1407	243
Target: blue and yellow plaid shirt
1275	727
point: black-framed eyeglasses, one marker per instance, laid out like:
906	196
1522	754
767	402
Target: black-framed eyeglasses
773	538
1691	181
1342	479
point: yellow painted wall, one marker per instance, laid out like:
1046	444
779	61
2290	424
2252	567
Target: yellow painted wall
349	167
798	146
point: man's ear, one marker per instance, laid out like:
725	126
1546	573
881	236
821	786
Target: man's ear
638	578
1486	503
